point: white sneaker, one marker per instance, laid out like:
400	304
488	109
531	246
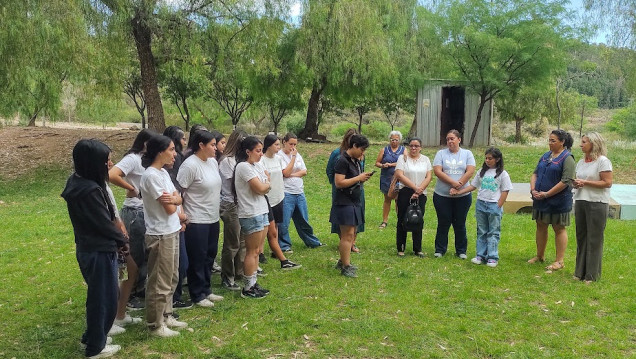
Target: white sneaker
116	329
164	332
438	255
127	320
214	298
205	303
492	263
462	256
109	340
109	350
477	260
173	323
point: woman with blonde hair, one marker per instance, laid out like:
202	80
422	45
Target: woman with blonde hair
592	183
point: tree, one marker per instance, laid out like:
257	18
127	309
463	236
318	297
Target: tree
498	45
43	45
619	16
132	89
525	104
343	46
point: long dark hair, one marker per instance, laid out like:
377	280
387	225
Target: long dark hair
154	146
218	136
140	141
564	137
175	133
90	159
496	154
246	144
344	145
234	143
200	136
268	141
196	127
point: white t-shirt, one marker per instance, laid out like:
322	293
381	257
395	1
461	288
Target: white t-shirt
131	166
111	196
201	185
454	165
489	187
293	185
592	171
153	183
226	170
274	166
414	169
250	203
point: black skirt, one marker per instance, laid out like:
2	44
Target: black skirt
346	215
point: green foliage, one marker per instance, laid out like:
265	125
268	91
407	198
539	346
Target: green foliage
376	130
397	307
624	122
295	123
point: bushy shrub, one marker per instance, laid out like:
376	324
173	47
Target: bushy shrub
340	128
376	130
294	123
539	128
624	122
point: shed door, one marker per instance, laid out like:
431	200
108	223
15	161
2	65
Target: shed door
452	115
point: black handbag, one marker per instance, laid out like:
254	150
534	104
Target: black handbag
413	217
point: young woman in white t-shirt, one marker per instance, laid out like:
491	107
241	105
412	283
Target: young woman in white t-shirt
251	184
127	175
274	166
199	178
494	185
591	207
161	211
414	172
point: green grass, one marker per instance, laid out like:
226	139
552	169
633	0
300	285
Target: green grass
397	308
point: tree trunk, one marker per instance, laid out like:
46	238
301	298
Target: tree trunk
413	129
582	114
558	106
311	122
482	103
143	38
360	115
518	121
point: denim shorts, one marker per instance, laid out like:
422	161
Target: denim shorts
253	224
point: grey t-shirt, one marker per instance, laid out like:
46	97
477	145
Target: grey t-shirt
454	165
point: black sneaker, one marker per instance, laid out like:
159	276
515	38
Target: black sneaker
252	293
261	258
349	271
260	272
216	268
260	289
181	304
225	283
136	303
339	265
287	265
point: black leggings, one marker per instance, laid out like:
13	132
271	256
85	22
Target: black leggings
403	201
451	211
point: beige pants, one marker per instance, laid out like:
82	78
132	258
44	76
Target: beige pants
163	276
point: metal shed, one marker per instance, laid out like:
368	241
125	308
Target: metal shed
445	105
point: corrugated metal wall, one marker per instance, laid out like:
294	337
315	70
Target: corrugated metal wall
429	109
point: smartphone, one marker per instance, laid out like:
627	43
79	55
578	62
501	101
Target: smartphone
372	172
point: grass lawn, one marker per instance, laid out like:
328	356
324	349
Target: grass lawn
397	308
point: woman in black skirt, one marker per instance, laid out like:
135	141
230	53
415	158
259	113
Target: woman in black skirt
346	209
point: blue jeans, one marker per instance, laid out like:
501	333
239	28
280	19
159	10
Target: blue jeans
133	219
99	270
295	207
488	217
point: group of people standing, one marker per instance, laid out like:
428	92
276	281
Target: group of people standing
169	226
177	193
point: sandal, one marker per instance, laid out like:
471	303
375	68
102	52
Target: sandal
400	254
355	249
555	266
535	259
383	225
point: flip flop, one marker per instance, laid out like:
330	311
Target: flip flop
382	225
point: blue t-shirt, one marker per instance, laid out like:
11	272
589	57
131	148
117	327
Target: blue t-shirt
454	165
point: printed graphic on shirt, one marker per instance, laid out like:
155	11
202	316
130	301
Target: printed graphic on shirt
454	167
489	183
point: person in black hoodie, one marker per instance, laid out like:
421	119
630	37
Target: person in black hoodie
97	242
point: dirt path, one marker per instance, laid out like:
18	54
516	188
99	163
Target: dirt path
23	149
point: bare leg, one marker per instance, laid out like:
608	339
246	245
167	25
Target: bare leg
272	239
347	234
126	287
561	239
386	207
253	242
542	241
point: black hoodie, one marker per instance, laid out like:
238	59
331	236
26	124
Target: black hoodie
91	216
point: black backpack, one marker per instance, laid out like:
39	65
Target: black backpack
413	217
